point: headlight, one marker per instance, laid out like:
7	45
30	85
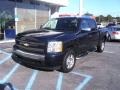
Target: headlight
55	46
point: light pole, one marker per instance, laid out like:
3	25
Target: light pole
81	7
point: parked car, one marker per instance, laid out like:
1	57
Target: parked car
113	33
57	44
100	25
111	24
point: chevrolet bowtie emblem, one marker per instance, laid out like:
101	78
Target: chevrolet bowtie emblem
26	44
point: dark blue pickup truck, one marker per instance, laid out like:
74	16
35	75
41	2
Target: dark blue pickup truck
57	43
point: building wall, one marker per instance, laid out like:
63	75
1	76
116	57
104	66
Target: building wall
30	16
42	14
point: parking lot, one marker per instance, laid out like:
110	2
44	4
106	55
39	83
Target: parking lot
95	71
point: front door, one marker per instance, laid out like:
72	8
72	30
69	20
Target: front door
84	40
93	34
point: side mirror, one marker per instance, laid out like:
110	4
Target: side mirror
86	29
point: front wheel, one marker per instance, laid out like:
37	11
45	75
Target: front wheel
68	62
101	46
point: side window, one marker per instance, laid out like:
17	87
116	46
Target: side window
84	24
92	24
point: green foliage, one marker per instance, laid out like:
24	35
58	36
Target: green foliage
107	18
88	14
4	17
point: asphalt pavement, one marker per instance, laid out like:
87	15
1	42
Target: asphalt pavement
94	71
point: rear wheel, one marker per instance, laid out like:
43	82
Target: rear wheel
101	46
68	62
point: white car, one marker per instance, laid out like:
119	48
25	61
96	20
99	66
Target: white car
113	33
100	25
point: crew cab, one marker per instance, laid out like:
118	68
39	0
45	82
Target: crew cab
57	43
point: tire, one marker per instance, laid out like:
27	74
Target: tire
68	62
101	46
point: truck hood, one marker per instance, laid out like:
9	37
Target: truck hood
44	35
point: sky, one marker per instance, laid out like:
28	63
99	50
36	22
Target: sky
96	7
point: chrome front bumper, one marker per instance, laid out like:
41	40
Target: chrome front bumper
37	57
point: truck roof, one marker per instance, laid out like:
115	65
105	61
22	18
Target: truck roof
68	16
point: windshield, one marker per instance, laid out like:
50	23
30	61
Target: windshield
64	24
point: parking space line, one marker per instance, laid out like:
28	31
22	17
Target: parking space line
5	59
4	52
10	74
85	81
31	81
78	58
59	82
35	72
108	52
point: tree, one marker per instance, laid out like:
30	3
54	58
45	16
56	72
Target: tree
88	14
118	19
109	18
100	18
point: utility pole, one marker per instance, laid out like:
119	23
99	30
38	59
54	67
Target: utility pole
81	7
